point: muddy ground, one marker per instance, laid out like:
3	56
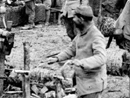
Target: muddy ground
45	40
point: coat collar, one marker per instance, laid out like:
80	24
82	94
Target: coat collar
86	29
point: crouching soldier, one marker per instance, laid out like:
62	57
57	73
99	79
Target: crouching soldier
89	55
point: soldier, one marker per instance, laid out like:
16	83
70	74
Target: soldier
122	26
68	12
2	12
89	55
67	15
95	4
30	11
47	4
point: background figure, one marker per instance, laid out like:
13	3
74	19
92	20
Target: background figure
96	7
2	13
68	13
14	3
56	10
122	26
70	6
30	11
70	27
120	4
47	4
95	4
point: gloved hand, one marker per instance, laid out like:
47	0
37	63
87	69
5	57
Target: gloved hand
52	60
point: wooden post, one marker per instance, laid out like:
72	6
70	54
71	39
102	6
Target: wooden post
58	89
2	59
129	87
2	54
26	79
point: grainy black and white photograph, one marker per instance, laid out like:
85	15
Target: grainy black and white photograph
64	49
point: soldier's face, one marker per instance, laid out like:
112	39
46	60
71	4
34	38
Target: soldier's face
78	21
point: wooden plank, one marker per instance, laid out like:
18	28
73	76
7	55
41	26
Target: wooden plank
13	92
22	71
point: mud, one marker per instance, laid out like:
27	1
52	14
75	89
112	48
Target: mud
46	40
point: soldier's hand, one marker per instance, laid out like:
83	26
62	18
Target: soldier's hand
77	63
52	60
69	62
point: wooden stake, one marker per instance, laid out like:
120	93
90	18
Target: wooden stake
2	59
129	87
26	56
26	79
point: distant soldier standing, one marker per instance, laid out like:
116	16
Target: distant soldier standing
95	4
30	11
47	4
68	13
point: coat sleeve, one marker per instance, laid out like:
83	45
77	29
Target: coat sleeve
68	53
99	55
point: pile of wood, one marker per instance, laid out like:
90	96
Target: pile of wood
46	74
47	82
115	61
46	78
51	82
